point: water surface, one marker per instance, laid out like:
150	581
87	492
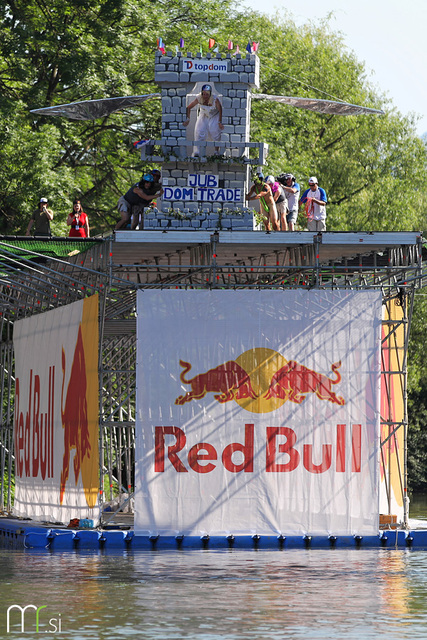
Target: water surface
211	595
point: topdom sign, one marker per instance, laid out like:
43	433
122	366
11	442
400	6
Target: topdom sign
204	65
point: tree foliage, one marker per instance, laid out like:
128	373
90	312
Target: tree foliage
51	53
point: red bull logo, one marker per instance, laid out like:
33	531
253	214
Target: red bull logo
74	415
79	412
260	381
228	381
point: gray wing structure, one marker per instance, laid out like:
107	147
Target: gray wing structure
320	106
93	109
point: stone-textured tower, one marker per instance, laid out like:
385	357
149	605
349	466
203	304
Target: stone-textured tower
219	177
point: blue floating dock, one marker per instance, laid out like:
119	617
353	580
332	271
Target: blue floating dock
19	534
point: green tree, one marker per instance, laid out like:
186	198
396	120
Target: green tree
56	52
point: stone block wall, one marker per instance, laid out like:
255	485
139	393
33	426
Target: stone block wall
180	78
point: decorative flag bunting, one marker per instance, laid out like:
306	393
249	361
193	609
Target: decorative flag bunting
250	47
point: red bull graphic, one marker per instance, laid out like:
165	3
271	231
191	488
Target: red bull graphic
294	381
266	376
74	415
79	410
228	381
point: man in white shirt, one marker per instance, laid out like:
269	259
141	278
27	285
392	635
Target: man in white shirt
315	199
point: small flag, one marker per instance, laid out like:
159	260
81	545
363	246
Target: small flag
211	43
140	143
230	45
201	50
216	50
255	46
237	48
181	43
249	47
160	46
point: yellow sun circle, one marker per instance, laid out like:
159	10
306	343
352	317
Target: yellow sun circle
260	364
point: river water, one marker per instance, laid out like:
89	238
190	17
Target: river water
211	595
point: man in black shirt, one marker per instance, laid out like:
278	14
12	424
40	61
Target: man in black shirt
132	203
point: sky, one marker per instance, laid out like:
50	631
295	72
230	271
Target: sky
389	36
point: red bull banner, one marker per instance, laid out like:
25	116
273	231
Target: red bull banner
392	493
56	413
258	412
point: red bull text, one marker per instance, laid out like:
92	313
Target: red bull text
34	431
172	452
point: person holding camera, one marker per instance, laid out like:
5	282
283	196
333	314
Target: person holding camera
78	221
40	219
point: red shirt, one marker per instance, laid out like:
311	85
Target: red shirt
77	227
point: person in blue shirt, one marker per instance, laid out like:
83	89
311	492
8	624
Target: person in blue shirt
315	200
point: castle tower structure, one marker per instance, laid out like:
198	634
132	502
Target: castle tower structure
203	176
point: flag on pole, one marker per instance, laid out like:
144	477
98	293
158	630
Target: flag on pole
237	48
211	43
230	45
249	47
255	46
181	43
216	50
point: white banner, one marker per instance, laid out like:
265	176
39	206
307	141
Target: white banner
56	413
257	412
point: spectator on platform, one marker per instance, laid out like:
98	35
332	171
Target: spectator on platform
157	184
78	222
315	199
292	191
280	200
209	117
41	219
132	203
261	191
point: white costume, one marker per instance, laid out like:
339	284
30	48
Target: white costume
207	124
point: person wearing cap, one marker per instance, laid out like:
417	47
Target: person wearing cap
209	117
41	219
291	189
280	200
315	200
132	203
261	191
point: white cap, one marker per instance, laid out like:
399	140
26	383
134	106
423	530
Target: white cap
312	180
44	200
270	180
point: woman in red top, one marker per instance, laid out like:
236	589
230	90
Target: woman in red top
79	222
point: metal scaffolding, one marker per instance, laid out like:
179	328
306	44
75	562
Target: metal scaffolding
37	276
